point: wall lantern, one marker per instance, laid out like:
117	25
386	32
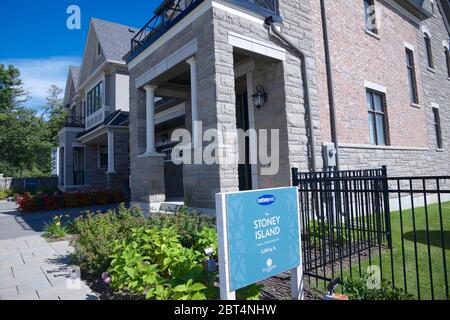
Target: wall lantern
260	97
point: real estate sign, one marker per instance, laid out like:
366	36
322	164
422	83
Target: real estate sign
259	237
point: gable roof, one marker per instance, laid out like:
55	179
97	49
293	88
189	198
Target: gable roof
114	38
71	83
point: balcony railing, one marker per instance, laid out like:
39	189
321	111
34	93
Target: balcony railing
170	12
166	16
74	122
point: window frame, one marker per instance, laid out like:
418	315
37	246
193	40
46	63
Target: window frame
412	77
437	127
447	60
367	5
101	164
372	112
94	99
428	50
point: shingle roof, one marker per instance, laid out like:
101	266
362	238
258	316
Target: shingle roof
75	72
114	38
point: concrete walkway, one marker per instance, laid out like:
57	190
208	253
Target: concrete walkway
32	268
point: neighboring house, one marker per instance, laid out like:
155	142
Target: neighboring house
212	54
93	146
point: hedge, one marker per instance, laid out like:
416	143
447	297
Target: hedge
30	203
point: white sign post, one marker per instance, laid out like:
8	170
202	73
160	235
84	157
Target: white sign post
259	237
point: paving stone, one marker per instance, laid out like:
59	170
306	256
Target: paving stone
34	285
27	272
30	296
8	292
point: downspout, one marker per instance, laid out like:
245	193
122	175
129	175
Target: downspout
330	81
307	100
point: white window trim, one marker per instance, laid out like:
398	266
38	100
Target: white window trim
446	44
434	105
426	31
375	86
409	46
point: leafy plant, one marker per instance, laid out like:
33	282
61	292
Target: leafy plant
97	233
357	289
55	229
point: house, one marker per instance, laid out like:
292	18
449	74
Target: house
93	143
354	84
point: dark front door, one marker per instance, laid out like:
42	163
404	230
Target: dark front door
242	122
173	175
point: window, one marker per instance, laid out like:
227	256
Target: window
437	127
95	99
447	59
99	49
103	157
377	119
428	50
370	17
271	5
412	76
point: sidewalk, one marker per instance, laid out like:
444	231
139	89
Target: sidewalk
33	269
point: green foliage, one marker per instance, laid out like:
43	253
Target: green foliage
26	138
97	234
55	229
154	263
4	194
188	224
318	231
357	289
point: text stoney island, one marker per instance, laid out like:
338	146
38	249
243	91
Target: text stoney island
266	227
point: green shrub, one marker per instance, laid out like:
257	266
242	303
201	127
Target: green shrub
4	194
188	224
97	233
56	229
154	263
357	289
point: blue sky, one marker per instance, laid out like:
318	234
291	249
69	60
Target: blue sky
34	36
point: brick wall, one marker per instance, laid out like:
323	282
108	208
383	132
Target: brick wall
358	56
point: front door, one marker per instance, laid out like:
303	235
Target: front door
242	122
173	175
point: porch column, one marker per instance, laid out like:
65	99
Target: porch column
150	118
111	155
194	107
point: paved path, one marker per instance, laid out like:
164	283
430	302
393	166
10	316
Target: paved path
32	268
14	224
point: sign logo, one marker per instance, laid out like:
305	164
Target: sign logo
266	200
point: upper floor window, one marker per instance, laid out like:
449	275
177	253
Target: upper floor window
447	59
412	82
437	127
377	117
99	49
429	51
271	5
370	16
95	99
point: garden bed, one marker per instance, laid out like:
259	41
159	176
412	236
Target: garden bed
32	203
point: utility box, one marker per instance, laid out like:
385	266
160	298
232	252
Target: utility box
329	156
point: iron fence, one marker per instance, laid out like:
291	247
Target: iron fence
362	223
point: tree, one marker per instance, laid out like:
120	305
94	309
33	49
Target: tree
53	112
12	93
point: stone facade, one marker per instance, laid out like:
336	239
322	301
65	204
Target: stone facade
361	60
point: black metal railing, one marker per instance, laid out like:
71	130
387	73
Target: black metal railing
358	221
71	121
166	16
170	12
78	178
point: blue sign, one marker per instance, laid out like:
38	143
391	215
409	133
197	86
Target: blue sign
263	234
31	183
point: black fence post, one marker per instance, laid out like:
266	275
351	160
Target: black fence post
294	177
387	209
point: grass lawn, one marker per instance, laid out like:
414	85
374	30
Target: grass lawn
403	241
